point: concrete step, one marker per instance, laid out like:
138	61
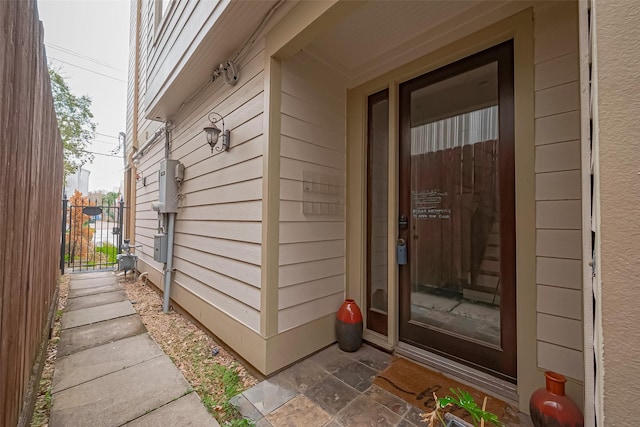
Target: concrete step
494	239
488	281
490	266
481	296
492	252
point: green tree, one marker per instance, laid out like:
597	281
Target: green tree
75	122
111	198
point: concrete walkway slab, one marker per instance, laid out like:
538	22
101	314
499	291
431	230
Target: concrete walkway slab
109	370
84	337
75	293
99	361
122	396
84	284
185	412
95	300
87	316
91	275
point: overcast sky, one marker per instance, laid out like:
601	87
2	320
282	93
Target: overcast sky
88	42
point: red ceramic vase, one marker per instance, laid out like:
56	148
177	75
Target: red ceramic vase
349	326
551	408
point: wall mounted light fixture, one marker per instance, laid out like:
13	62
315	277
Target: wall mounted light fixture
212	133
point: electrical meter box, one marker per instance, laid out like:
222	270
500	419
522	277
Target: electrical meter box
160	245
171	172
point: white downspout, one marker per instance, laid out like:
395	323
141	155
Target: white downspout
169	265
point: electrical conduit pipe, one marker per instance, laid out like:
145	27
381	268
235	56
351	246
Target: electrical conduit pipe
169	265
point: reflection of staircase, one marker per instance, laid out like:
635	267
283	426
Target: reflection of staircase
487	284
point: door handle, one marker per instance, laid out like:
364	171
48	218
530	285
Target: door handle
403	222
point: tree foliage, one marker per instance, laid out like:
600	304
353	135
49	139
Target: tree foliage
111	198
80	233
75	122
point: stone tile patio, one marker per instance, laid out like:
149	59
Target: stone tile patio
333	389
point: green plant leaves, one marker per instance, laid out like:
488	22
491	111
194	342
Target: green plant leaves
464	400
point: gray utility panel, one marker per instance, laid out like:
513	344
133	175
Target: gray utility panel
170	174
160	245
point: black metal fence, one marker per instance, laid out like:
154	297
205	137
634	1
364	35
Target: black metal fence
92	233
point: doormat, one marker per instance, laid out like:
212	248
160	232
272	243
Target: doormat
416	385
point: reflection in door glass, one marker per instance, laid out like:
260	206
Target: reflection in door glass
378	201
455	232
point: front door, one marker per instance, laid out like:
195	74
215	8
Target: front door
457	288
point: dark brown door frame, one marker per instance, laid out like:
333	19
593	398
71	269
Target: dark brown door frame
501	362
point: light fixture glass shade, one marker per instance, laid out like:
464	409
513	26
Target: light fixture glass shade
212	132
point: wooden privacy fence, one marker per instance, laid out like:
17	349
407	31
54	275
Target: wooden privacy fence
30	187
454	203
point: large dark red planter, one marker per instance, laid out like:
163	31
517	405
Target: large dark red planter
349	326
550	407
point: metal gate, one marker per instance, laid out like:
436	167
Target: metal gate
91	233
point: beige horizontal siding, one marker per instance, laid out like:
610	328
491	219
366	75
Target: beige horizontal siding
230	230
236	309
559	243
561	185
557	99
241	292
294	169
234	250
558	71
235	269
557	272
560	331
292	296
217	249
312	189
216	94
311	270
249	150
298	232
558	41
561	359
291	317
560	302
234	192
557	128
558	189
559	214
563	156
293	253
241	211
290	209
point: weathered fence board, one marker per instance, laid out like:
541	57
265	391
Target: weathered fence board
30	189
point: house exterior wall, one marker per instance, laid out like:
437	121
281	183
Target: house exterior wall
616	72
558	191
176	35
218	226
312	188
220	235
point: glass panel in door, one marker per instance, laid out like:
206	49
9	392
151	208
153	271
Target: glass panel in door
457	192
378	208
